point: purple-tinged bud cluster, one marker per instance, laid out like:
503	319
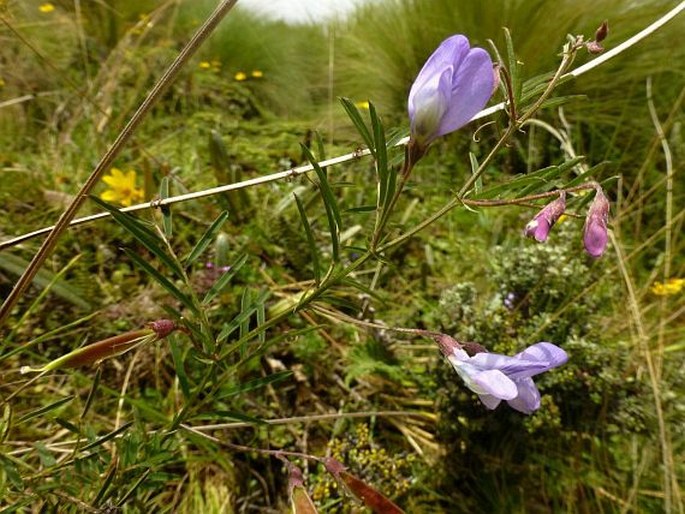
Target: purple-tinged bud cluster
595	46
595	234
544	220
453	86
494	377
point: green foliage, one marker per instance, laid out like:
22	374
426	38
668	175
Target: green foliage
542	292
286	309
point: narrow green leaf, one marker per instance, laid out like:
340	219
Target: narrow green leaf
224	280
261	319
245	304
91	393
47	459
177	358
167	221
142	234
244	315
239	416
381	158
320	148
44	410
256	383
68	425
11	473
478	186
513	67
161	280
357	120
133	488
330	204
44	279
111	435
101	496
5	422
206	239
313	250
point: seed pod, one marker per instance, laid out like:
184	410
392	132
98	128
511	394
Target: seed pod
372	498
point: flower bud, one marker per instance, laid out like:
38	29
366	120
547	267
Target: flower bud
594	47
371	498
544	220
595	235
453	86
602	31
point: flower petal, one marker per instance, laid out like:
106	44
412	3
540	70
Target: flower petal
548	353
450	53
513	367
489	401
495	383
528	398
472	87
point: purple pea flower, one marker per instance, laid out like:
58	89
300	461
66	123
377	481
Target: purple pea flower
544	220
595	235
494	377
455	83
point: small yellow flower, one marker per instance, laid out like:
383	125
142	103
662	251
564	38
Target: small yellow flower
669	288
46	7
2	82
216	64
204	65
122	188
240	76
258	74
362	105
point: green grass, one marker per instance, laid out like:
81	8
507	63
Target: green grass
609	436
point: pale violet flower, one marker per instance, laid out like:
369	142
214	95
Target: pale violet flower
494	377
455	83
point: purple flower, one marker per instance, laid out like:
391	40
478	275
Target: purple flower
455	83
595	236
544	220
494	377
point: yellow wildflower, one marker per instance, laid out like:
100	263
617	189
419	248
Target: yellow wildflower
362	105
240	76
670	287
216	64
258	74
204	65
46	7
2	82
122	188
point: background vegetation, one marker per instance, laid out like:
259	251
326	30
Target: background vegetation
115	437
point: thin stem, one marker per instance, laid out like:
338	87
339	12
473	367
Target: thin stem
581	70
643	339
250	449
155	94
668	226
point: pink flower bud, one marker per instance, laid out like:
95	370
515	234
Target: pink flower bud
544	220
595	236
